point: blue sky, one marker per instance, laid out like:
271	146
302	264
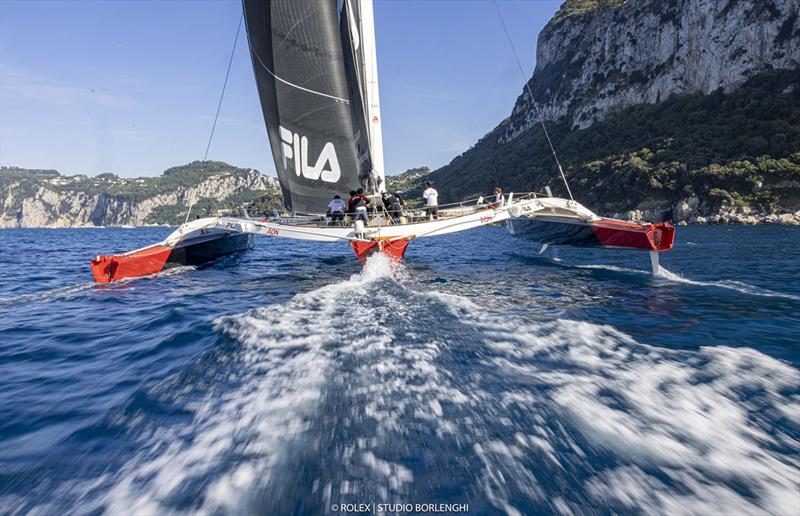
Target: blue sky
131	87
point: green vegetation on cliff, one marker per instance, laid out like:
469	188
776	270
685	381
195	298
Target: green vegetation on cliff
185	176
742	147
44	197
264	204
408	180
580	7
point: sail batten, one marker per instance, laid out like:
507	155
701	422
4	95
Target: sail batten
308	63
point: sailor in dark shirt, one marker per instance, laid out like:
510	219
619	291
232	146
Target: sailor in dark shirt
351	201
393	206
358	206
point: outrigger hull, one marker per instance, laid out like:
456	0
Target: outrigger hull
197	249
610	233
554	221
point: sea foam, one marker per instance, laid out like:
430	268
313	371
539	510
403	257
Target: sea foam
261	405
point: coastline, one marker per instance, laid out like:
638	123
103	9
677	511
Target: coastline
693	211
784	219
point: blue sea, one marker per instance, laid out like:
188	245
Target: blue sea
478	378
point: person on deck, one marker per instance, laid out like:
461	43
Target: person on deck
336	209
431	197
393	207
358	206
499	198
364	198
351	209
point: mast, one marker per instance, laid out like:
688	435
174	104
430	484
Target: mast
372	93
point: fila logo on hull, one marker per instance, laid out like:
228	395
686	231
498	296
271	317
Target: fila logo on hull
295	147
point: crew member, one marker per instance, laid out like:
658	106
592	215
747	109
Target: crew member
351	209
499	198
358	206
431	197
364	198
336	209
393	207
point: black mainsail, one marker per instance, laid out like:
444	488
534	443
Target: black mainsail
307	66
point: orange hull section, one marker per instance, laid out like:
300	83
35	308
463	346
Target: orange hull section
630	235
394	249
140	263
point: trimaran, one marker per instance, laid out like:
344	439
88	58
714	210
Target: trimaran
315	66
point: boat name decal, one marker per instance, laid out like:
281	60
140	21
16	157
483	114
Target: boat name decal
295	150
273	232
232	225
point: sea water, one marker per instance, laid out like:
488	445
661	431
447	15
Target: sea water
478	377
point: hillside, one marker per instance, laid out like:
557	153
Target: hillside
720	151
408	180
45	198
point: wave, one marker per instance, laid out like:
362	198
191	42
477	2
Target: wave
612	268
371	390
665	274
73	290
738	286
247	407
659	431
56	293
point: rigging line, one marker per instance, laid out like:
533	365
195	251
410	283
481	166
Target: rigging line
224	84
219	104
530	93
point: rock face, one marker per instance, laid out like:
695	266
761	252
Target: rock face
595	55
51	200
690	212
685	209
679	110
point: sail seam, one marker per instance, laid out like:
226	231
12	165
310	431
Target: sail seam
337	99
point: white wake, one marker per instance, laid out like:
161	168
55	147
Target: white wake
695	418
684	428
277	372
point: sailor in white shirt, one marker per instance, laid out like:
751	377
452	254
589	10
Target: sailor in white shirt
431	197
336	209
499	199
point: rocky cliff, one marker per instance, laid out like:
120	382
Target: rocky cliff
683	110
45	198
595	55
